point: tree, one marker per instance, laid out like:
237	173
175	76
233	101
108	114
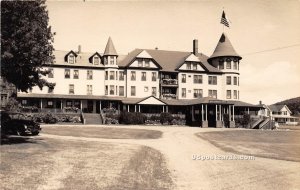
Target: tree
26	43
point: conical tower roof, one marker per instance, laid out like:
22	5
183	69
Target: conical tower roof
110	48
224	48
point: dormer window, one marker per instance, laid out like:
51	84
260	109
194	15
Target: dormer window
140	63
71	59
188	66
96	60
194	66
147	63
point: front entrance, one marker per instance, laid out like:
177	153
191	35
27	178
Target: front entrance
90	106
211	116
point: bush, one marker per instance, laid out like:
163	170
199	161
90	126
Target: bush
166	118
49	118
246	120
132	118
226	120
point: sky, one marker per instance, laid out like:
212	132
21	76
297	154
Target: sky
255	26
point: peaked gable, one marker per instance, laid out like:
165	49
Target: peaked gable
67	55
91	58
151	100
192	58
144	54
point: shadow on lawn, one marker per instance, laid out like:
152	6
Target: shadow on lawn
8	139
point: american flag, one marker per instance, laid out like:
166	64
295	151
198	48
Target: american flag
224	20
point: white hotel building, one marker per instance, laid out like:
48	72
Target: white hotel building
148	81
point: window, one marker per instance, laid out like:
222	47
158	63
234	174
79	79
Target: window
228	64
106	75
153	91
89	74
228	94
132	75
71	89
212	80
221	64
50	90
77	104
228	80
235	80
121	90
51	73
69	103
112	60
140	63
238	81
121	75
198	79
143	76
235	94
147	63
212	93
116	75
146	89
105	61
67	73
111	89
106	90
76	74
194	66
188	66
153	76
198	93
132	91
71	59
89	89
235	65
96	60
24	102
183	78
49	104
111	75
183	91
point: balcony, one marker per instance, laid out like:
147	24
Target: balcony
169	96
169	82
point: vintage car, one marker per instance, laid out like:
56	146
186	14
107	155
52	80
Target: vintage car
18	124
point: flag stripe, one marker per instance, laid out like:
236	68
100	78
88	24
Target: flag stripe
224	20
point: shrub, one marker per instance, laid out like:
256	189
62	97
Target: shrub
226	120
246	120
50	118
132	118
166	118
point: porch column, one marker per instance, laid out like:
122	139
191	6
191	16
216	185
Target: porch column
41	104
128	108
205	112
193	117
216	112
233	113
167	109
139	108
135	108
202	114
248	111
220	109
100	105
118	107
61	104
163	109
229	108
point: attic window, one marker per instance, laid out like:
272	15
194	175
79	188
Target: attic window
96	60
71	59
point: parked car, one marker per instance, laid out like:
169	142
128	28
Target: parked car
18	124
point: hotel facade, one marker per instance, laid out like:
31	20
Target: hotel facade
148	81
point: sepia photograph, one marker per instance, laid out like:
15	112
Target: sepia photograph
150	95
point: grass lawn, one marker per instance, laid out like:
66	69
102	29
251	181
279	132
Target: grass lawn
282	145
42	163
101	132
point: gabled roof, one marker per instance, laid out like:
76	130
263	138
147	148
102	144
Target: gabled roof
278	107
91	58
110	48
224	48
70	52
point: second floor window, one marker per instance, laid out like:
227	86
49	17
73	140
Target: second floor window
198	79
89	89
121	90
89	74
144	76
228	80
67	73
132	90
76	74
111	89
212	80
153	76
153	91
106	75
228	94
235	80
121	75
51	73
111	75
235	94
106	90
183	91
132	75
71	89
212	93
183	78
198	93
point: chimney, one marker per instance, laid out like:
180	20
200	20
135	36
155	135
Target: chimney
79	49
195	46
260	102
156	48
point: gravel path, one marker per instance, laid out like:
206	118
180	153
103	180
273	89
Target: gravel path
179	144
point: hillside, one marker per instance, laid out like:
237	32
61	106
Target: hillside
293	104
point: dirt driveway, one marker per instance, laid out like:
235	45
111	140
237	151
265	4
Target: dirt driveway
179	145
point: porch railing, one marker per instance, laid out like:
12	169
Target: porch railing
169	82
169	96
